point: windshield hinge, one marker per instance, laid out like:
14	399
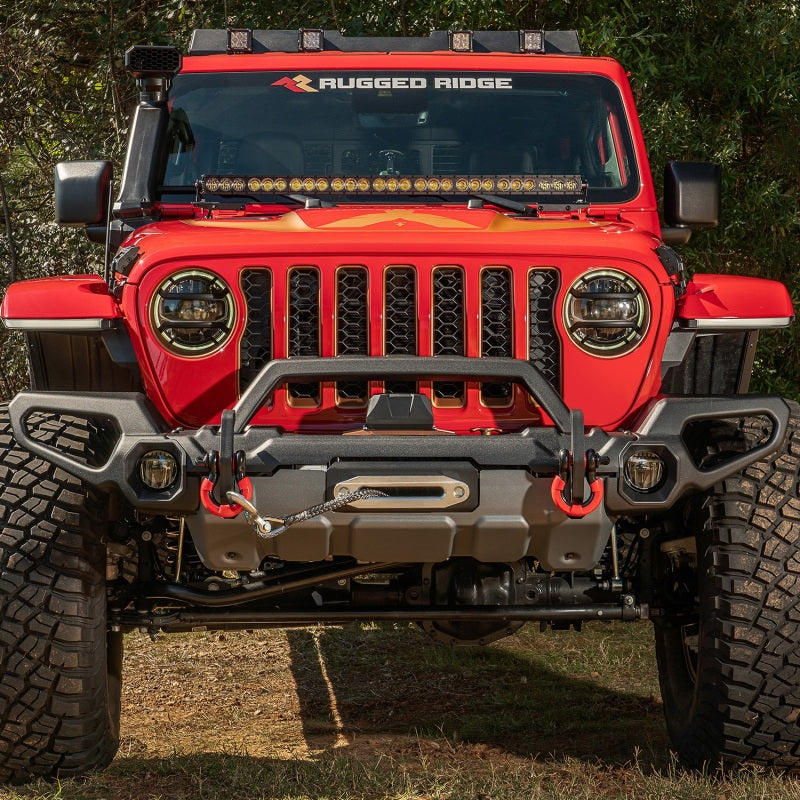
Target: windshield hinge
603	212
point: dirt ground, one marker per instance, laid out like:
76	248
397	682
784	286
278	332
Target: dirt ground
232	692
296	694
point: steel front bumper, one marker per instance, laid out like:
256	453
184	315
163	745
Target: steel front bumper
135	428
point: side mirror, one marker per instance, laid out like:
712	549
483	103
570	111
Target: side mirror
691	199
82	192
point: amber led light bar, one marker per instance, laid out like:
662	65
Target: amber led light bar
568	185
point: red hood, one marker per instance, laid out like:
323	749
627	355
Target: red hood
397	230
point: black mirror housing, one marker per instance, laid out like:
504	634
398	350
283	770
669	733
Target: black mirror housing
691	194
82	192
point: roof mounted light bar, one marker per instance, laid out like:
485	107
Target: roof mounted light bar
217	41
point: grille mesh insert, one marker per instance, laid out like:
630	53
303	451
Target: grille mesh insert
496	328
303	334
451	328
448	325
352	318
255	349
400	319
544	347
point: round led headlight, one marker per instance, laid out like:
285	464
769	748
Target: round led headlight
606	313
192	312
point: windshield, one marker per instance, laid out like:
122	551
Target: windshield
352	124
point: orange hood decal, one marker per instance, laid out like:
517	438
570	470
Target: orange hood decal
396	219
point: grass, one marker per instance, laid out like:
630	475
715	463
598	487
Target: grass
378	712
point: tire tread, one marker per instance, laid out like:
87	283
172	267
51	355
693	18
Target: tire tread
747	698
56	718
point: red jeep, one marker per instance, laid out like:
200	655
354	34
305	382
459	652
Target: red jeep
390	330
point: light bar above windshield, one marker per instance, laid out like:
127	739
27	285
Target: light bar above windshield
560	185
206	42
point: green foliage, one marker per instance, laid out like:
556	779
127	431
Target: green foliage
715	81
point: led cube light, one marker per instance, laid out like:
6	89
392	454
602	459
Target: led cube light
531	41
461	41
240	40
311	40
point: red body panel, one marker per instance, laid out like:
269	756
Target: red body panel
734	297
66	297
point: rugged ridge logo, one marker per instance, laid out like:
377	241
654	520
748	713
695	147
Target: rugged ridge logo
302	83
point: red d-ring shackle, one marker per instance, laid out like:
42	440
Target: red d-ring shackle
227	510
576	510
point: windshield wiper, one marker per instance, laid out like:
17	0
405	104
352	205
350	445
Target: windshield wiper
233	200
508	204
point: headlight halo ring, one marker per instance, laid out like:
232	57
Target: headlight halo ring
606	312
192	312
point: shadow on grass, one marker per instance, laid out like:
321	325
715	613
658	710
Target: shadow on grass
385	713
355	684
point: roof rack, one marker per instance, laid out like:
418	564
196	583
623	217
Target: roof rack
207	42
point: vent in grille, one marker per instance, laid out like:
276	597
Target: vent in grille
255	349
454	331
352	318
448	325
544	347
303	319
496	325
400	319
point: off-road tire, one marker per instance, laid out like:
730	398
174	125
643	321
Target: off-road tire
59	670
744	704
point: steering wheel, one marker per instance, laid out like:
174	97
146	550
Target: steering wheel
390	156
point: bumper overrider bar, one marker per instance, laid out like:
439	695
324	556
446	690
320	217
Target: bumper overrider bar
586	467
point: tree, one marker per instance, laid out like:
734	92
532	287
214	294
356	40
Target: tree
717	81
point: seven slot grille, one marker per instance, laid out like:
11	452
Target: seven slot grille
400	292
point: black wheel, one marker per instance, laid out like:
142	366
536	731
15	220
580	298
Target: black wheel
59	669
728	648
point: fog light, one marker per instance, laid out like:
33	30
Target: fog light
644	471
158	469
